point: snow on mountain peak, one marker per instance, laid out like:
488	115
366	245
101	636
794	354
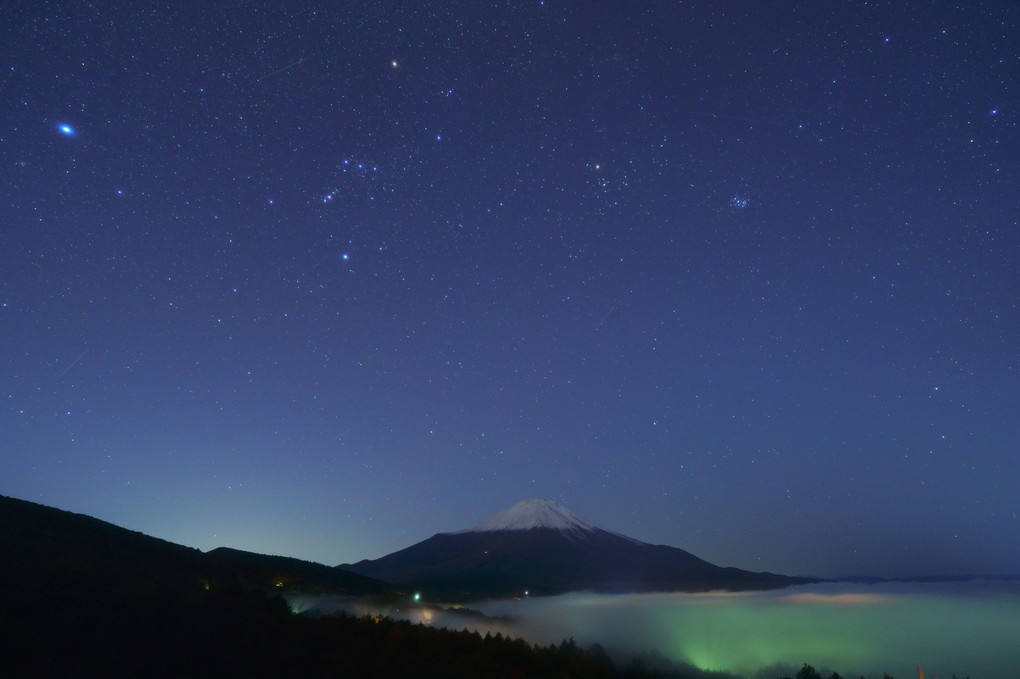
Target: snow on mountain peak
528	514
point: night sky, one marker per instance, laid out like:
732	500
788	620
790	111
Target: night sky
323	279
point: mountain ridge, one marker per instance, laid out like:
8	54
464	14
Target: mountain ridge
42	543
542	548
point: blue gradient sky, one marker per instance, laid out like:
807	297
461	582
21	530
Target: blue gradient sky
322	281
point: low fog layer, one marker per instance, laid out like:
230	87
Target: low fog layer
961	628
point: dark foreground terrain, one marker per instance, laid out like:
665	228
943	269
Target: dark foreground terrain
84	598
81	597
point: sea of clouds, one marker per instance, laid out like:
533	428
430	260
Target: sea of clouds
967	629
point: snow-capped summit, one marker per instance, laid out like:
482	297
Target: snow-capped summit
529	514
539	547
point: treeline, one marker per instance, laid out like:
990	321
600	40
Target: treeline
228	631
809	672
394	648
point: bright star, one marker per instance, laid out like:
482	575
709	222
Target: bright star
66	130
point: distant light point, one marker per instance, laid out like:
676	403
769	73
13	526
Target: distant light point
66	130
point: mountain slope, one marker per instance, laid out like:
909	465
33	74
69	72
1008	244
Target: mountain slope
53	549
83	597
540	547
46	546
288	574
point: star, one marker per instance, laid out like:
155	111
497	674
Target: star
66	130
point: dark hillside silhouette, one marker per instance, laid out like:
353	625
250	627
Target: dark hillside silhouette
84	598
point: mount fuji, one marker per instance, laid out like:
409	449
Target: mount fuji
538	547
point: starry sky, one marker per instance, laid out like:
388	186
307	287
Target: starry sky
322	279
